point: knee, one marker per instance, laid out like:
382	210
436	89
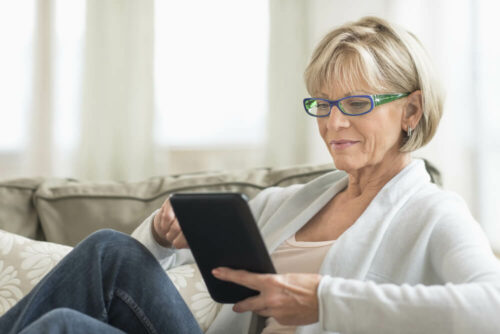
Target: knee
113	243
105	237
59	317
59	320
60	313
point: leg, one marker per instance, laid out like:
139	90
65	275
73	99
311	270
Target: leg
64	321
110	277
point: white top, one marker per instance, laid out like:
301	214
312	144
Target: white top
415	261
294	256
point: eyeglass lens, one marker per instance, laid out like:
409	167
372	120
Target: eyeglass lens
350	105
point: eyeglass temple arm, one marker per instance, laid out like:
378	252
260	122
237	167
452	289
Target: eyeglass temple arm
386	98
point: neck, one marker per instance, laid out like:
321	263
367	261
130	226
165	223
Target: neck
368	181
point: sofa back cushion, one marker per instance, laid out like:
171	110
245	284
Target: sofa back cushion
17	211
71	210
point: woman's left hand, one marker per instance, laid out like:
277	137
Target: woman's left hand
290	298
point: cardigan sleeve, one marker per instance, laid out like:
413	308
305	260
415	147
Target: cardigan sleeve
468	301
352	306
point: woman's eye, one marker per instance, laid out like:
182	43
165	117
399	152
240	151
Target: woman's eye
323	106
358	104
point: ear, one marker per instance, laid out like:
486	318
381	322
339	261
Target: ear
413	111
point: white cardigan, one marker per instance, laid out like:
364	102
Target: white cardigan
415	261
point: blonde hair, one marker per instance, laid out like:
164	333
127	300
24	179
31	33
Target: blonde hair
388	59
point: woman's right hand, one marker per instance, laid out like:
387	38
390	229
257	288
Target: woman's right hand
166	229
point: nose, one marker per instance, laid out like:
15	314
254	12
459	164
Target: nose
337	120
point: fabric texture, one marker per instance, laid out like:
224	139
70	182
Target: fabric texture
415	261
24	262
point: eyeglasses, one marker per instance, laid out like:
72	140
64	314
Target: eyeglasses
355	105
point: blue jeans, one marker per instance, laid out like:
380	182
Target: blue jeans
109	283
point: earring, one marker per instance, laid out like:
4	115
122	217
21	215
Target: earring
409	131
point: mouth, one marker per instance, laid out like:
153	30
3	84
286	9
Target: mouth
342	144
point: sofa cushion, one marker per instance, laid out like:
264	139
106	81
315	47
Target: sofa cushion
24	262
71	210
17	213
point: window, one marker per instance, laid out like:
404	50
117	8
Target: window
210	72
16	35
487	115
68	64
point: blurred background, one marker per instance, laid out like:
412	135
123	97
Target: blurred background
127	89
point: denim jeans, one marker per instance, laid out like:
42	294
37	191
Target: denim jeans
109	283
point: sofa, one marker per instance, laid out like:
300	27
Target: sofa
41	219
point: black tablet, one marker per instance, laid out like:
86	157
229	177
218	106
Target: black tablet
221	232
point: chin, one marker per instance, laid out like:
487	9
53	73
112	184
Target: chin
346	163
342	164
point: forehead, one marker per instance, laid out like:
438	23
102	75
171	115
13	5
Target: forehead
338	89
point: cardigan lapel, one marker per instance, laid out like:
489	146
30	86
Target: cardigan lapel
352	254
301	207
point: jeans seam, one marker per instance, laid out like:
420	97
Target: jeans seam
139	313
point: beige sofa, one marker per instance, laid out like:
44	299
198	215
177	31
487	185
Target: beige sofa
42	219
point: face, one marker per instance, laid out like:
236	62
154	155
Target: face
357	142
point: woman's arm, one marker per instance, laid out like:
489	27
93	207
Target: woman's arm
351	306
469	301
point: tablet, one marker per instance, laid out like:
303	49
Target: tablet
221	232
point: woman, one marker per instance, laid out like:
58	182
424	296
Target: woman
374	248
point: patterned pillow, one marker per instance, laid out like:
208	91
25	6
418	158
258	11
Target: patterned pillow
188	281
24	262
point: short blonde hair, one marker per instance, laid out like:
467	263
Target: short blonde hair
384	56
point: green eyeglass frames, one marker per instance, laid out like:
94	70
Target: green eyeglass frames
354	105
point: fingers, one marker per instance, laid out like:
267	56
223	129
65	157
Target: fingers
166	216
180	242
289	298
242	277
175	235
172	229
245	278
256	304
167	227
265	312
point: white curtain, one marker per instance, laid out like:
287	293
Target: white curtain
78	96
288	133
40	144
118	102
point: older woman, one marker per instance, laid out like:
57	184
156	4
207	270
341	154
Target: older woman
377	248
372	248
